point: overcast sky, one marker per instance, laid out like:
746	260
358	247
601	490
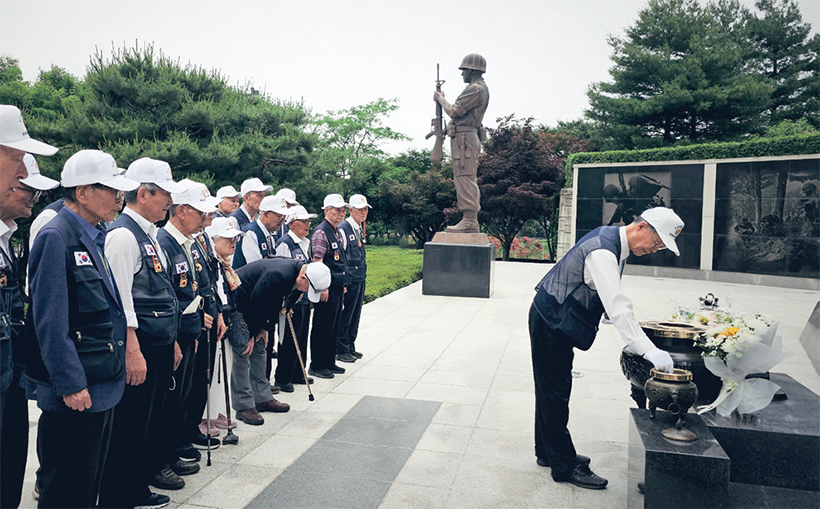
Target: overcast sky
334	54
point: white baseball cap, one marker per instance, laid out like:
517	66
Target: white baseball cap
318	276
288	195
36	179
224	227
196	195
666	223
255	184
273	204
88	167
299	213
153	171
358	201
334	200
13	133
210	198
227	192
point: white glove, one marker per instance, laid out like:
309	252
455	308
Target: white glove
660	359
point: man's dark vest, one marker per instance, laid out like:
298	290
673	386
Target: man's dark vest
12	319
266	248
240	217
355	253
334	255
278	234
185	280
89	311
155	302
206	269
297	254
564	301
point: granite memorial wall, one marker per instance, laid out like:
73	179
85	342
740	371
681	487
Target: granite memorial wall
766	215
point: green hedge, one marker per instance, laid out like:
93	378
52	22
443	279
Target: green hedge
764	147
390	268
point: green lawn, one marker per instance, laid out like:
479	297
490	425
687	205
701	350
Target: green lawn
390	268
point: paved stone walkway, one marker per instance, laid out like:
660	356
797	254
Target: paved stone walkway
465	364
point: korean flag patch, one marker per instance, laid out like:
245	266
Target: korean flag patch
264	246
352	237
181	267
149	250
195	254
334	245
81	258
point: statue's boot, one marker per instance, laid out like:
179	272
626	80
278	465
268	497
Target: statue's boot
468	223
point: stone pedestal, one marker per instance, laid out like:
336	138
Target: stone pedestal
459	265
675	474
778	446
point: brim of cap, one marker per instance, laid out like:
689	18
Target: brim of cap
302	218
214	200
336	205
229	234
33	147
292	202
670	244
313	295
40	182
262	189
121	183
360	206
170	186
283	211
234	195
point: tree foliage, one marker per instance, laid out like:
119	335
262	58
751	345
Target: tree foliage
518	178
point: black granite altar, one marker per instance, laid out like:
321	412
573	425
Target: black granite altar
778	446
458	270
675	474
748	496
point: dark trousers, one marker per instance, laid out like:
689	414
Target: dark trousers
133	456
13	442
325	327
72	448
176	404
199	385
552	356
349	321
287	366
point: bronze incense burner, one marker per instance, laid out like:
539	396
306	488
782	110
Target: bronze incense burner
676	393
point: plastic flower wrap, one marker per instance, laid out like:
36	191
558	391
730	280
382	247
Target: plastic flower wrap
731	352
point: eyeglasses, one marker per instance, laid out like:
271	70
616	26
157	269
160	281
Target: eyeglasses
35	194
656	242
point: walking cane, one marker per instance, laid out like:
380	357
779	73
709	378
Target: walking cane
299	354
230	438
208	393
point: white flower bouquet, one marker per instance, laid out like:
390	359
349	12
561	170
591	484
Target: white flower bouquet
735	346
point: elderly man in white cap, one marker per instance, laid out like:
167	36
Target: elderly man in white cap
354	243
253	192
140	268
76	313
187	216
289	197
257	242
328	249
228	201
294	244
564	315
14	144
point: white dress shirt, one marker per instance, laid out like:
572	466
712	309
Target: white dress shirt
284	251
125	259
6	231
41	220
250	244
602	273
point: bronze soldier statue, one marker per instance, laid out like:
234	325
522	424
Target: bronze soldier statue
466	134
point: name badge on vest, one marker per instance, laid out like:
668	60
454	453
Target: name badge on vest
81	258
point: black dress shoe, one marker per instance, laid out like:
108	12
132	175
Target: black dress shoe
580	458
345	357
336	369
185	467
582	477
320	373
155	501
166	479
301	381
285	387
356	354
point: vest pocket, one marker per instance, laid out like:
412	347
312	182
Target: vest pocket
157	325
97	352
90	291
579	328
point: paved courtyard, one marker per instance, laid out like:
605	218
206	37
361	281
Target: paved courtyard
439	412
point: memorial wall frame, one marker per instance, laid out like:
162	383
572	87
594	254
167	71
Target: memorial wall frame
751	220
